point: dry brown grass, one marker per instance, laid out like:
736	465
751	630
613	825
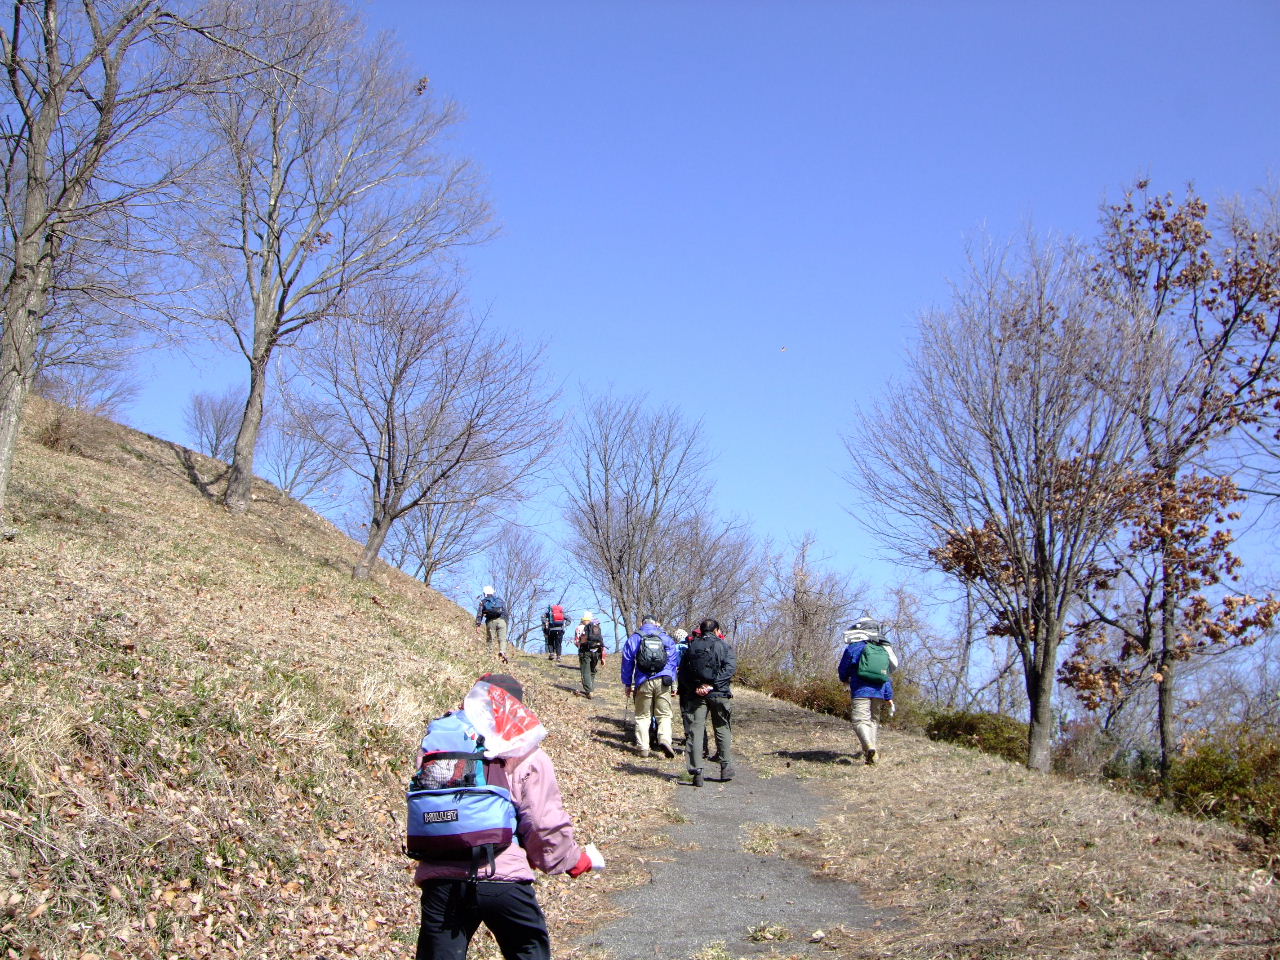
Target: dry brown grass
207	724
982	858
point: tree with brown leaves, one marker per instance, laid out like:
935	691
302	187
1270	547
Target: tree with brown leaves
1205	363
1177	557
998	460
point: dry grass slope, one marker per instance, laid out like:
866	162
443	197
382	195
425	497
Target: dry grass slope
207	726
984	859
206	723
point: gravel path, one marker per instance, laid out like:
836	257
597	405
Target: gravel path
713	879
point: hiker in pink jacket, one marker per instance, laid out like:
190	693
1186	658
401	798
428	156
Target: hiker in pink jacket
453	905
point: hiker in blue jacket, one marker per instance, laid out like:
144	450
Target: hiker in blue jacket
649	684
869	683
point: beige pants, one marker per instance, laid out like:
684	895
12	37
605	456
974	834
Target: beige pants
868	713
652	699
495	631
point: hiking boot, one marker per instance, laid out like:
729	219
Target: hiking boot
690	779
871	757
587	694
726	771
646	753
666	750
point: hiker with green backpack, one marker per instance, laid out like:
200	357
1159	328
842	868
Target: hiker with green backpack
866	665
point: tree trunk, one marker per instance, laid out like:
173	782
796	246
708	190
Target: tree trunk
1165	716
240	477
1040	738
1040	676
378	531
26	293
1165	665
17	371
961	684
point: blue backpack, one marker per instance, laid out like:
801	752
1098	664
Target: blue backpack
455	814
492	607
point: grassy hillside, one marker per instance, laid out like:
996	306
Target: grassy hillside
206	723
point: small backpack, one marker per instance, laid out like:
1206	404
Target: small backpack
454	813
651	655
492	607
555	616
873	662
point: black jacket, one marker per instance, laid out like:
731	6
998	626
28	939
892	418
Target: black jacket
720	662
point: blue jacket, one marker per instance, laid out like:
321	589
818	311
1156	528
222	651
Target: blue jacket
633	677
860	687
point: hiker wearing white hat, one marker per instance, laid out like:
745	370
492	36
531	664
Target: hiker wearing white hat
492	615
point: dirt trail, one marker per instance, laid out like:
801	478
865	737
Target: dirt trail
720	875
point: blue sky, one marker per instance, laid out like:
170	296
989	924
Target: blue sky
686	188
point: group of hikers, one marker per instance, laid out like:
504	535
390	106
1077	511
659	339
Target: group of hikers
485	809
696	669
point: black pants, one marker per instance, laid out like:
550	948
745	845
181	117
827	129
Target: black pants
553	639
453	909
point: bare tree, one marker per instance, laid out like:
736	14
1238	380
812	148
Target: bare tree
444	533
414	398
212	420
637	481
702	566
291	457
324	174
86	82
804	608
103	392
999	460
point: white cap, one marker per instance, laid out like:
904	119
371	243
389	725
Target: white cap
488	591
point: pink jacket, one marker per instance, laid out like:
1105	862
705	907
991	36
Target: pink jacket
545	831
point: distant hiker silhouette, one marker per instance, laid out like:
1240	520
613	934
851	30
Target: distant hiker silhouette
589	639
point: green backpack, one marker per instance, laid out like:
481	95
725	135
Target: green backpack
873	663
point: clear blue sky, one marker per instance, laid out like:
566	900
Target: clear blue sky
686	188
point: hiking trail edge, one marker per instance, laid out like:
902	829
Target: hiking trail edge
708	887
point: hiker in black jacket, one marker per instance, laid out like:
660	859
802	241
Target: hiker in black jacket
706	672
